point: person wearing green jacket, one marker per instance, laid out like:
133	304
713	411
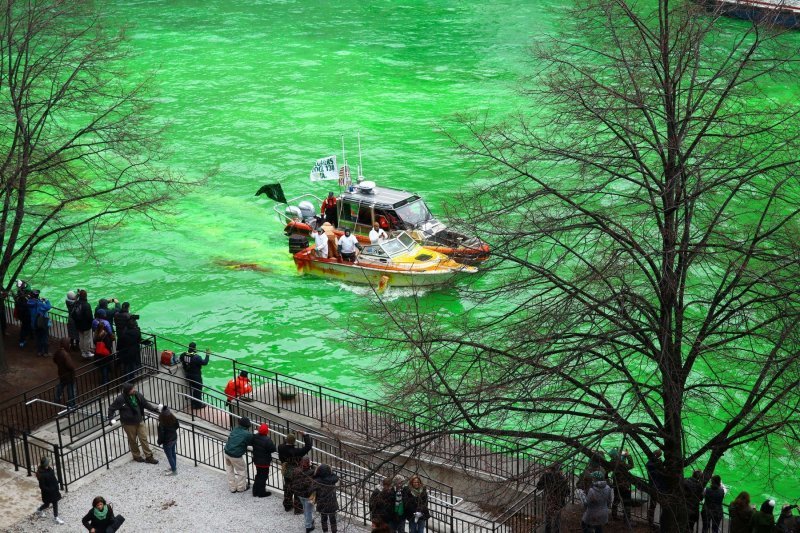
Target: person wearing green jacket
235	467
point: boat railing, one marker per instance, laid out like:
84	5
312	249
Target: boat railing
282	216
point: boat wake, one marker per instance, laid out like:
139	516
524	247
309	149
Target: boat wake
389	294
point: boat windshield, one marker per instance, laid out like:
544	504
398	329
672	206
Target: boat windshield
414	213
400	245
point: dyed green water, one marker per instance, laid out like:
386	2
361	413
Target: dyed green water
258	90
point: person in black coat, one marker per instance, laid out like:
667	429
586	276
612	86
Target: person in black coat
101	519
289	456
129	350
325	486
263	448
193	369
381	505
83	316
168	427
415	505
48	484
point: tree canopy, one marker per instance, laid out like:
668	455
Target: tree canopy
643	217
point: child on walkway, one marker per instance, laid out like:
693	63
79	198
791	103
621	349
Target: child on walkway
48	484
168	438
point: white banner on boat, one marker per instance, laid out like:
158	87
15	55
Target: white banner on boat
325	169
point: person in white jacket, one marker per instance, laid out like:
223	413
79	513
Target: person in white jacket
348	244
321	243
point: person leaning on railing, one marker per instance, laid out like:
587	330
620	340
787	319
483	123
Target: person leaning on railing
235	467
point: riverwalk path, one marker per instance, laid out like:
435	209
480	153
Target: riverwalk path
197	499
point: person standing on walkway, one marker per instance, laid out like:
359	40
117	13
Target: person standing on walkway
327	504
66	373
100	518
397	520
168	427
658	484
129	346
712	505
235	467
764	520
48	484
40	322
415	505
303	487
741	514
131	405
289	456
263	448
597	502
82	314
193	368
72	331
556	489
21	312
381	506
692	496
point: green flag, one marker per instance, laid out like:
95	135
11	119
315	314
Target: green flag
274	191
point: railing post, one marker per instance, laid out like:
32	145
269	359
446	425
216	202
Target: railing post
194	442
321	413
27	452
59	470
366	418
105	437
14	455
277	393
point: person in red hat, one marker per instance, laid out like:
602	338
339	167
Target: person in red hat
263	448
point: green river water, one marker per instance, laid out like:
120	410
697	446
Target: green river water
258	90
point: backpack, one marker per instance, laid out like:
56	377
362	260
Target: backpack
167	358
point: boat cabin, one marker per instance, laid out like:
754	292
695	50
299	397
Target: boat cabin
392	209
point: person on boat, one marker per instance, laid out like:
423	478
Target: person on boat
347	245
328	209
376	234
321	243
333	252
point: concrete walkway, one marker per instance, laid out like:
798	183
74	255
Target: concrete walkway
196	500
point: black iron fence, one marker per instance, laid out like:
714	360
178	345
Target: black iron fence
369	420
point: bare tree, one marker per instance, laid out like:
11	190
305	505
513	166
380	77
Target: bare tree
78	145
643	217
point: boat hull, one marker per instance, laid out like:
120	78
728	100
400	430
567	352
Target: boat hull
375	275
759	11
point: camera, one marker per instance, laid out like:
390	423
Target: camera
134	317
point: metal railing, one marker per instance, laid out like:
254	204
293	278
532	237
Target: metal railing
369	420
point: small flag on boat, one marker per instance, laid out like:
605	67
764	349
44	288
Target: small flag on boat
274	191
344	176
325	169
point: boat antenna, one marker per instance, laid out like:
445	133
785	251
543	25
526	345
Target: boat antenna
344	165
360	166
